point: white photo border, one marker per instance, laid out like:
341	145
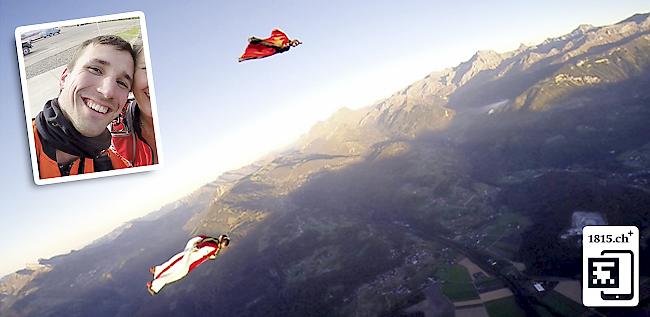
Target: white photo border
26	97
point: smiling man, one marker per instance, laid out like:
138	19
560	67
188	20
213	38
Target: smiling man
71	135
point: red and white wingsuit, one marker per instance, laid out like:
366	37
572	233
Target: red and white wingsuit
198	250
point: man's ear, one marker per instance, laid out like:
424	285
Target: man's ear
64	75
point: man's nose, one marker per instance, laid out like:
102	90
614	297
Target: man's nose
108	87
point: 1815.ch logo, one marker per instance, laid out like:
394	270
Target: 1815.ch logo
610	266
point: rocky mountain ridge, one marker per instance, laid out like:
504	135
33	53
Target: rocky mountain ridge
443	96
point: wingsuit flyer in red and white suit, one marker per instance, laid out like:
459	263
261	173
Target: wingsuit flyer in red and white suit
197	250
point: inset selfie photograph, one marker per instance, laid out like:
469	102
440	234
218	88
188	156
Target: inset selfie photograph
89	99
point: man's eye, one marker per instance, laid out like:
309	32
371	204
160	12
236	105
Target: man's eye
95	70
123	84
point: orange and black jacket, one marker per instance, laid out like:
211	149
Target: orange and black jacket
49	168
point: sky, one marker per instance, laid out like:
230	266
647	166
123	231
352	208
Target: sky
216	114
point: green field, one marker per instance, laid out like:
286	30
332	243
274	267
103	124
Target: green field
504	307
130	34
456	283
489	284
503	226
455	273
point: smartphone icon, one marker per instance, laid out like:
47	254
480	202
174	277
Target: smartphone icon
625	278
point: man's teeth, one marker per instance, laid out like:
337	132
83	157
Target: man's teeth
96	107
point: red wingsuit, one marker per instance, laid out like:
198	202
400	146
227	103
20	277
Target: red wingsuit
278	42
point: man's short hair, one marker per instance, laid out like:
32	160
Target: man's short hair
113	40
